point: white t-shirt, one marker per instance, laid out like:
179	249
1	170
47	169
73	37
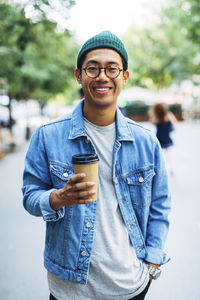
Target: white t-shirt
115	271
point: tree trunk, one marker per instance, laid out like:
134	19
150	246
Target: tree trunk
10	119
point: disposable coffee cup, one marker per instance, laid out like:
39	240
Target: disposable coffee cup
88	164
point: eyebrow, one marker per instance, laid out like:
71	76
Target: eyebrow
96	62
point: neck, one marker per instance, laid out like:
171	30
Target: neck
99	116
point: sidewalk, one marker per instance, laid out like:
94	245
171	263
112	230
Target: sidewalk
22	275
180	277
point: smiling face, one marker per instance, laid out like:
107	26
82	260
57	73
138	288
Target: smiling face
101	92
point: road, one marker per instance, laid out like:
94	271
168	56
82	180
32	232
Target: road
22	275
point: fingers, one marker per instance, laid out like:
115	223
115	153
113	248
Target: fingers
80	186
76	191
76	178
83	197
82	194
73	193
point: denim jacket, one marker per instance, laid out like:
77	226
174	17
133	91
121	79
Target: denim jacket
140	181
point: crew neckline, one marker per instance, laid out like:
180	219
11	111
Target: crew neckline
107	127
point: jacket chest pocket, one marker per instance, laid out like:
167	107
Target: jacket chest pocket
140	186
60	173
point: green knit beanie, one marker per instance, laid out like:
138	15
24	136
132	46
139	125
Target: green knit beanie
105	39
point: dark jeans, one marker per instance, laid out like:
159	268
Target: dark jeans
141	296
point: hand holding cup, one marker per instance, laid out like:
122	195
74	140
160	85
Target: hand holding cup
81	187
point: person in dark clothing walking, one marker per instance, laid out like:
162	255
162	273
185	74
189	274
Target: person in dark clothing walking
164	121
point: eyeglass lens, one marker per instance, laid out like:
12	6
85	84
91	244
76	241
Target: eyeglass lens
110	71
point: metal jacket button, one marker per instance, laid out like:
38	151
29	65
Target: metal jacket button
141	179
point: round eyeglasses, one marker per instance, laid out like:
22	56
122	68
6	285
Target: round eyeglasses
110	71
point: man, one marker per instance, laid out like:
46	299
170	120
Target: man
110	248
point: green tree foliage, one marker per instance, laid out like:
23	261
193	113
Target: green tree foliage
37	61
168	51
13	26
188	16
49	9
184	17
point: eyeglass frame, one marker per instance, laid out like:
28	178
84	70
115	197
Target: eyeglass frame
104	68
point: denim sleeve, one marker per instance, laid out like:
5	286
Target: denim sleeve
37	185
158	222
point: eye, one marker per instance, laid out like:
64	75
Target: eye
112	69
92	68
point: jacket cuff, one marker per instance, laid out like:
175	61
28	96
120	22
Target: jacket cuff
156	256
48	213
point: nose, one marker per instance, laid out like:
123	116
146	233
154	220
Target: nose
102	75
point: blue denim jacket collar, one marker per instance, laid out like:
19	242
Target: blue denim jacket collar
77	125
77	122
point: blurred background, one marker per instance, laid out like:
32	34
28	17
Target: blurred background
39	42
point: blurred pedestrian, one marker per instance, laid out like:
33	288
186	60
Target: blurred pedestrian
110	248
165	121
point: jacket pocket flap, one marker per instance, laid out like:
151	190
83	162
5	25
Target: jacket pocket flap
140	176
61	170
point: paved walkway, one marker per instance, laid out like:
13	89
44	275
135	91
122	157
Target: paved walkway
22	276
180	277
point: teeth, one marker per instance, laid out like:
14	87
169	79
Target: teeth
102	89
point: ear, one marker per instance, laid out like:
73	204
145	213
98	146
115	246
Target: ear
126	76
78	75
